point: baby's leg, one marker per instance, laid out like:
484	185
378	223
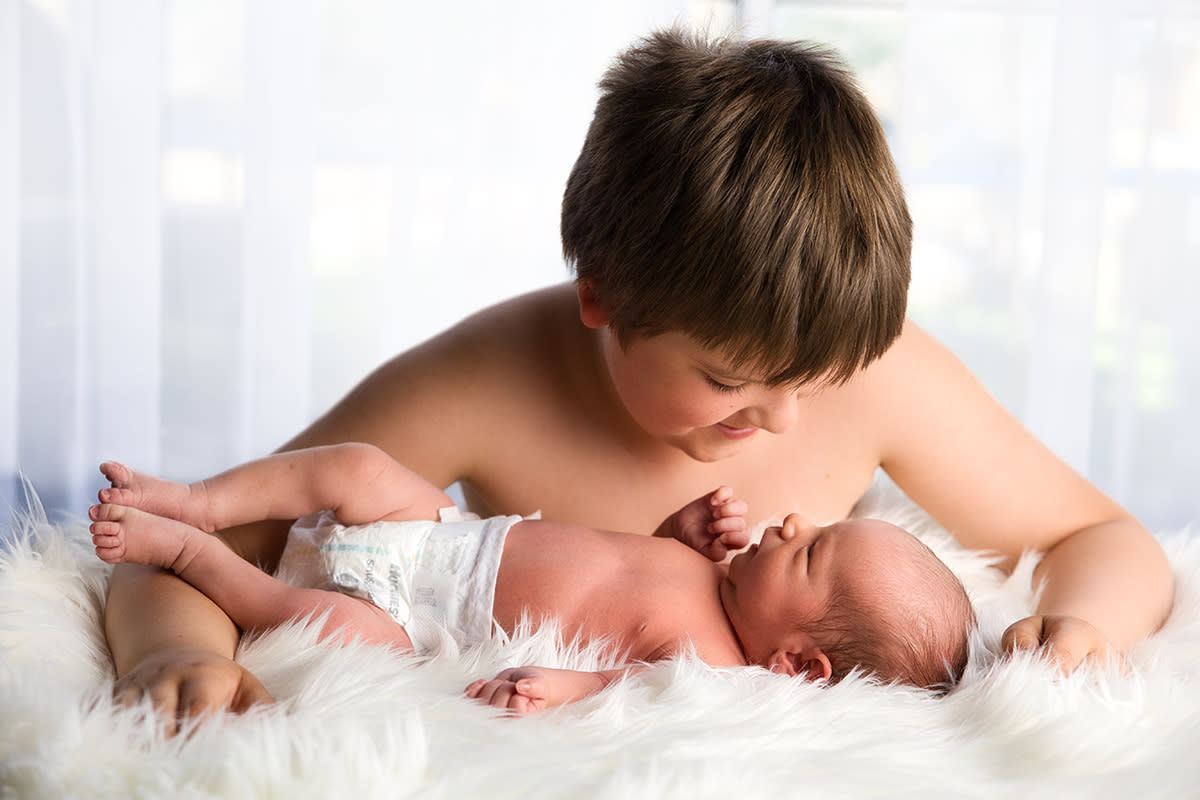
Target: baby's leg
252	598
358	482
128	534
164	498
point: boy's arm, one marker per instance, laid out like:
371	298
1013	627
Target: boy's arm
172	644
962	457
528	690
1107	583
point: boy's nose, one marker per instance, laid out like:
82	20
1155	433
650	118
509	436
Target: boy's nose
776	412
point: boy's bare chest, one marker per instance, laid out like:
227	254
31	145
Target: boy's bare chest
587	480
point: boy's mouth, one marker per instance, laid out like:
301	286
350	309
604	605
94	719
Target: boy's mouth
731	432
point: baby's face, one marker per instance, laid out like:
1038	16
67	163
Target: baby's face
789	578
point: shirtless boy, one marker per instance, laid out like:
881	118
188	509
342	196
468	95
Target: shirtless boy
741	245
808	601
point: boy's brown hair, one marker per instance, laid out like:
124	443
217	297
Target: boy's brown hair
742	192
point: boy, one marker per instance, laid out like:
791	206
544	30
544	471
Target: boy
741	245
806	601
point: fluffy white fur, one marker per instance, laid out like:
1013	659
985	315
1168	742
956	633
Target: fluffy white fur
365	723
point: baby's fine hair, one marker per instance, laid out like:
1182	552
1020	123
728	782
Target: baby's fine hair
919	634
742	192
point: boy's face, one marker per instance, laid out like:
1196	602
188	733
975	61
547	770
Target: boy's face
692	397
790	577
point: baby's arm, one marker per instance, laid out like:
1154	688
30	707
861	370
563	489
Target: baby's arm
528	690
713	525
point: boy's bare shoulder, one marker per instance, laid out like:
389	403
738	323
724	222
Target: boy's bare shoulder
434	406
513	334
916	366
914	348
520	333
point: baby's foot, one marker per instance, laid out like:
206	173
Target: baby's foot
158	496
121	533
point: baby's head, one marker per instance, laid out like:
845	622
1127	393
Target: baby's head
862	593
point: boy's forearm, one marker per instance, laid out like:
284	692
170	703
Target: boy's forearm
1113	575
150	610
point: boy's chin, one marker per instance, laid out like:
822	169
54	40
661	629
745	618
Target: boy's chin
706	448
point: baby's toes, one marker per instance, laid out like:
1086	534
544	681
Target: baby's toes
117	473
105	511
111	555
120	497
107	539
108	532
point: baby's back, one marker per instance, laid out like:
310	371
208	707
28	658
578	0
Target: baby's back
648	594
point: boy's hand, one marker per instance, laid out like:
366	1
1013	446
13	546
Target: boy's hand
713	525
1069	642
190	683
527	690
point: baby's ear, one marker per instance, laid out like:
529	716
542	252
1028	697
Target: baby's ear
591	312
812	664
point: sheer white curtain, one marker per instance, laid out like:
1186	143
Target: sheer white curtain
1051	155
217	215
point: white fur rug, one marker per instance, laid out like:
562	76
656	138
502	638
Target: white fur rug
362	723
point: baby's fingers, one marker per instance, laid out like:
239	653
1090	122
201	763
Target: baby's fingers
720	496
719	527
730	508
532	688
728	535
495	692
735	540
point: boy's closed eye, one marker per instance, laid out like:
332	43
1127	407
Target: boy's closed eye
723	387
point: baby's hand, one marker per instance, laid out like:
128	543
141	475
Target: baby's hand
713	525
528	690
1069	642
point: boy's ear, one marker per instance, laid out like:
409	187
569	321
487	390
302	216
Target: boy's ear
591	313
811	663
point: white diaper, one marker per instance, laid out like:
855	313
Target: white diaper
429	576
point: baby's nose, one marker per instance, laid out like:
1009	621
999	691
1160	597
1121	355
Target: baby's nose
796	524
